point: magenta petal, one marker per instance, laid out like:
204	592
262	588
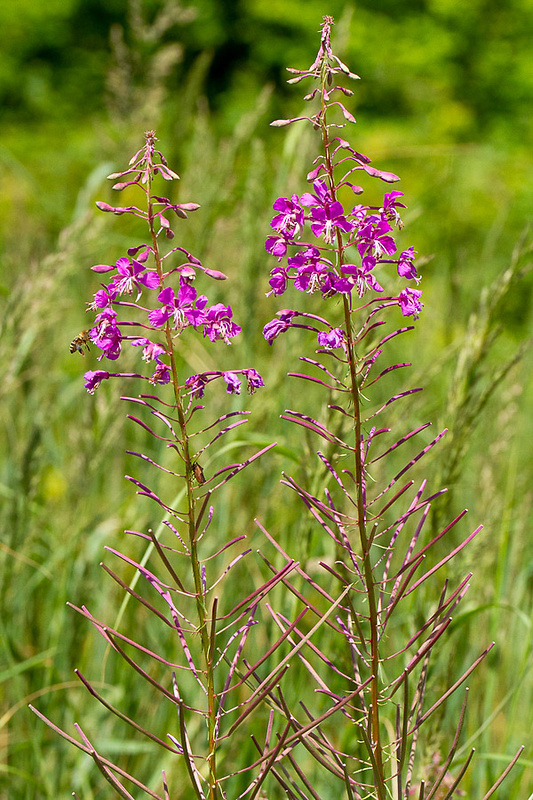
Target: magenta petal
158	317
308	199
166	296
336	209
94	378
234	384
349	269
276	245
123	265
150	279
186	295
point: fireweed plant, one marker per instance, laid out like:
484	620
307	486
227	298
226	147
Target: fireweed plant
349	723
345	251
126	316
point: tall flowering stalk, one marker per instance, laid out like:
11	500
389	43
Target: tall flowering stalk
326	243
150	303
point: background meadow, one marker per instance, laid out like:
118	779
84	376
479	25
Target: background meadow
445	101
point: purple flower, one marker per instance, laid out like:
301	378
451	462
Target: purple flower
94	378
390	205
218	324
313	273
185	309
327	215
255	381
276	326
161	373
409	302
326	220
362	276
406	267
290	220
313	277
307	256
279	280
102	298
132	274
151	350
234	384
277	245
373	238
106	333
321	198
332	339
196	384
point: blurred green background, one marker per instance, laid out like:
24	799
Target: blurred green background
445	101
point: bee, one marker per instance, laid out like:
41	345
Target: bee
80	341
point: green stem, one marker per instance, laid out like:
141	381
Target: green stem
373	722
206	636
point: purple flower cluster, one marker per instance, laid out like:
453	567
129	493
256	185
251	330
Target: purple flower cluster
349	247
368	231
179	310
170	311
196	383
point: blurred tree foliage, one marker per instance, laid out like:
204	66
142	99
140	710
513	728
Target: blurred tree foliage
469	65
453	79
